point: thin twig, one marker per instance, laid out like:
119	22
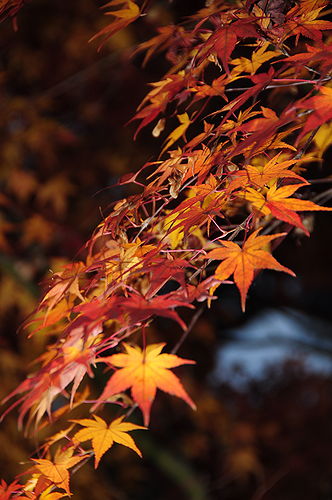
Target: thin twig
188	330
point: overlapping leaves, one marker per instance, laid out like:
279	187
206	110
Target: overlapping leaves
154	252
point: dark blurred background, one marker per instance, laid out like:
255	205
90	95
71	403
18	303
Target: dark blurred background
263	380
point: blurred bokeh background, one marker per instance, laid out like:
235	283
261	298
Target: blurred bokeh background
263	380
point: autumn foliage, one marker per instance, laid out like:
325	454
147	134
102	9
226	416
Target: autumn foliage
229	185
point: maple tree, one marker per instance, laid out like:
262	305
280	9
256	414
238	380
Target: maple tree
229	168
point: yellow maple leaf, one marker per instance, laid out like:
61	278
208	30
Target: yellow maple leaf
48	494
124	12
129	10
103	436
323	139
175	236
260	56
178	132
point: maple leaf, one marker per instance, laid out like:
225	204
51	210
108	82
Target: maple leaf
57	471
47	494
60	368
224	45
321	106
64	283
103	436
303	20
163	270
139	308
7	490
224	39
242	262
269	118
277	202
145	371
167	34
178	132
261	80
38	486
126	14
174	86
217	88
259	57
313	55
258	176
63	434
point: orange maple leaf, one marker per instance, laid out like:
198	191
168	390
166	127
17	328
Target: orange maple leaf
302	20
57	471
242	262
259	176
103	436
277	202
145	371
124	13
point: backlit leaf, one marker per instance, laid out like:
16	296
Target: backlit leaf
243	261
280	204
103	436
57	470
178	132
145	371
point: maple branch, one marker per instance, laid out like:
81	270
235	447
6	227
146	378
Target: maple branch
186	332
325	180
305	147
287	54
117	288
267	487
324	196
281	85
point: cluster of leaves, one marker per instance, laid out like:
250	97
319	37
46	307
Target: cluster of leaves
171	244
51	123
